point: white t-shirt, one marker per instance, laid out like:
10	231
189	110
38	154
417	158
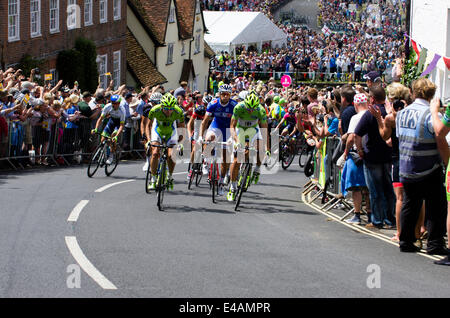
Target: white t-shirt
354	121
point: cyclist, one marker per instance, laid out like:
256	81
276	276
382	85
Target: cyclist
163	119
115	124
248	117
220	111
290	119
194	126
276	111
153	101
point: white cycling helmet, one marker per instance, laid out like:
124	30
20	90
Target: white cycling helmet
155	98
243	95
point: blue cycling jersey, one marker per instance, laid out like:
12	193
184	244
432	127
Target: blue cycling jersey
222	114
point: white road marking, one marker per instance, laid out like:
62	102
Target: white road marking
361	229
86	265
106	187
73	217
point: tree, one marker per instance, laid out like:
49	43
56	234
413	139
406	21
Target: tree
79	64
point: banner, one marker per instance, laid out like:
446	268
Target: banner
48	77
447	62
323	152
432	65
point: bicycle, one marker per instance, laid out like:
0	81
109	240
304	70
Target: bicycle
161	179
196	173
245	177
214	172
99	157
148	175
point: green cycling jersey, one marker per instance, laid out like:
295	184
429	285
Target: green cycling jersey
249	119
164	124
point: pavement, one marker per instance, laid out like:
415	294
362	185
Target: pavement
66	235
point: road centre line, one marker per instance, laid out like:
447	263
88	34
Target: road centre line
86	265
73	217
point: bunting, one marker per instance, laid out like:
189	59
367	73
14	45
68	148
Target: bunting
426	59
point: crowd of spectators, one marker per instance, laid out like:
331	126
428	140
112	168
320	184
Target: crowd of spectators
362	46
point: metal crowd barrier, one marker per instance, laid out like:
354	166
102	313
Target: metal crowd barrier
326	181
51	143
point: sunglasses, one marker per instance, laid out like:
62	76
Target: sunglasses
167	108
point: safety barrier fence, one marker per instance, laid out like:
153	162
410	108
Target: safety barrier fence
323	190
356	76
54	143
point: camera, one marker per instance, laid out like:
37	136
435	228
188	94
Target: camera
320	118
37	70
398	105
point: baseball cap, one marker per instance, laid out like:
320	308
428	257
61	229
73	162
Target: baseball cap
360	99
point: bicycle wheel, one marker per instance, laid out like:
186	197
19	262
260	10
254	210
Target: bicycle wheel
199	176
148	177
309	167
288	157
302	159
193	173
242	184
95	160
161	184
213	182
109	169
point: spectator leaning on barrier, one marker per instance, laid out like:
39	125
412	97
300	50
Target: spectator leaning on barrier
377	157
421	170
347	108
353	173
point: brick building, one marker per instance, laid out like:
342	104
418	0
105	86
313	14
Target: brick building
43	28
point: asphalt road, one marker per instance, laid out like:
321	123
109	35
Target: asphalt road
274	247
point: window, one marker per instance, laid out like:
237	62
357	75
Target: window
72	14
116	69
13	20
102	69
35	18
170	53
54	16
172	15
197	44
88	12
116	9
103	11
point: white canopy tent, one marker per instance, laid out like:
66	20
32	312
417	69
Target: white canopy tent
229	29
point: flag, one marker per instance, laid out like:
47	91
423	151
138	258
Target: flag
326	31
422	59
447	62
432	64
416	49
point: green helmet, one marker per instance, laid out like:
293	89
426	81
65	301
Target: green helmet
276	99
168	102
283	101
251	101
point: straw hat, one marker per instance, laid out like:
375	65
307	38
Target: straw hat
74	99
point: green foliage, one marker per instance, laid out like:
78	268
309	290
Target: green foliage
411	71
79	64
70	66
27	63
89	78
